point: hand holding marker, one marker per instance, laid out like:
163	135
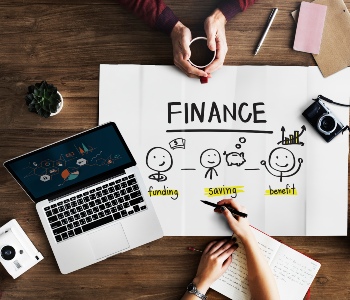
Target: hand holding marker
232	210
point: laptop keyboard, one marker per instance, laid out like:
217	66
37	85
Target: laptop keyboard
95	207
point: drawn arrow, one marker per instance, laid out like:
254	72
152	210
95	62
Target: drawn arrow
283	130
303	129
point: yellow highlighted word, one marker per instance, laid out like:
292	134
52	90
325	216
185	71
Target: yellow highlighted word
287	191
223	190
163	192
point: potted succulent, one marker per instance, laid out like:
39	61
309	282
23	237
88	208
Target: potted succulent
44	99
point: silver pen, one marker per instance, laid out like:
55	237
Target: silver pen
268	25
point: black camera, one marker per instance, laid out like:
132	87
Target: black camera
322	119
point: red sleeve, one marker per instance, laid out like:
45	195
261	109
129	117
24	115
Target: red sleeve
232	7
154	12
244	4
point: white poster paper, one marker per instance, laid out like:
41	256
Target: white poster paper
240	136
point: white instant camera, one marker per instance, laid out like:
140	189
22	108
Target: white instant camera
17	252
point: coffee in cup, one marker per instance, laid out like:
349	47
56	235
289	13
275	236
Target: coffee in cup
201	55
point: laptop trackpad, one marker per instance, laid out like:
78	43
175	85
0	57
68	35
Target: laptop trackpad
108	240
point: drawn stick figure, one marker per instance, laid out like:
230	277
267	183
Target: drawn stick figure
210	159
160	160
282	160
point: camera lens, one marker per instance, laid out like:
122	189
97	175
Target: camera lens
8	252
327	124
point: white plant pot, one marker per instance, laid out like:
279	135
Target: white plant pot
59	108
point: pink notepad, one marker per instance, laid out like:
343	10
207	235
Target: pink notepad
309	31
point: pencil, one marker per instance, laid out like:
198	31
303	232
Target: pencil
194	249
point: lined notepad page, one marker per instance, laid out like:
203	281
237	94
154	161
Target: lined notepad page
293	271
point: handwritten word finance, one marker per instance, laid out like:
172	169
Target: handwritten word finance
212	112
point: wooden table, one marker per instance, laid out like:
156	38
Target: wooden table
63	42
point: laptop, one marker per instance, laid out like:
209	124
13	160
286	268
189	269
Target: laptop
89	195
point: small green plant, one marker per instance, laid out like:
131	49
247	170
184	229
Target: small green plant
43	99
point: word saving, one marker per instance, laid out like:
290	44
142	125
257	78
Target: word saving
220	191
208	112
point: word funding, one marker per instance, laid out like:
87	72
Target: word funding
208	112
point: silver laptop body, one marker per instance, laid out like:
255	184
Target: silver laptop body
90	198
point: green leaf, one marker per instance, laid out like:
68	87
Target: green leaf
47	114
29	98
40	112
44	113
44	85
31	108
53	108
41	92
31	89
46	105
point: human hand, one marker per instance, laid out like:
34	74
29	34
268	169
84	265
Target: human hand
214	27
239	225
181	37
215	260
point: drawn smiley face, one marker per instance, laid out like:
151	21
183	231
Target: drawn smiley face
159	159
282	159
210	158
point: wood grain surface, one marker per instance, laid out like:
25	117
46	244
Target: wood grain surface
64	42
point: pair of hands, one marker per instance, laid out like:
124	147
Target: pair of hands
181	37
216	257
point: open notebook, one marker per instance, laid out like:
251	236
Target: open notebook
293	271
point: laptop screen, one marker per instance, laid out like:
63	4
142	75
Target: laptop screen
72	163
